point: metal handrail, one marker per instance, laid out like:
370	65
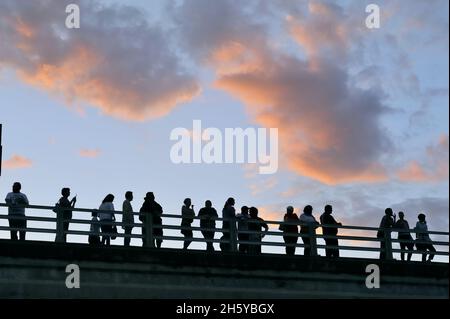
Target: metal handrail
231	233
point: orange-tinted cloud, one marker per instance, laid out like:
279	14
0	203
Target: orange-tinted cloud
90	153
16	162
435	167
328	128
124	67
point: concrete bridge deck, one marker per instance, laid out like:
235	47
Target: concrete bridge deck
37	270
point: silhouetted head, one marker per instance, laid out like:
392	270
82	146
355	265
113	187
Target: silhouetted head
109	198
229	202
421	217
388	211
308	210
16	187
129	196
328	209
401	215
187	202
150	196
208	204
253	212
65	192
289	210
244	210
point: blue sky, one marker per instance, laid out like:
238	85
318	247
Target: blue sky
233	66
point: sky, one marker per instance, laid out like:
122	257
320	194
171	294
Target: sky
362	114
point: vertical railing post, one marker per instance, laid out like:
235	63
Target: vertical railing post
388	244
233	235
312	240
59	225
149	242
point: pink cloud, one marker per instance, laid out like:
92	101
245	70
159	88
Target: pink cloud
17	162
90	153
125	67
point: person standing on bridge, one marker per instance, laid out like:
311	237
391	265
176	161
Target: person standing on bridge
208	215
242	221
402	227
386	224
127	218
289	227
151	209
107	218
16	218
255	225
308	227
423	240
65	206
187	214
229	216
327	219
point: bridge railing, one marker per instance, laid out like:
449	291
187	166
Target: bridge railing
364	242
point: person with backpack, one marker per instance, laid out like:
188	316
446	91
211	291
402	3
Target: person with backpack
327	219
151	209
64	207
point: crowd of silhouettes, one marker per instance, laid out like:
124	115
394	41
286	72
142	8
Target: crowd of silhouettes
249	232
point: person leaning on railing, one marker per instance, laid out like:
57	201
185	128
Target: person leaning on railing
423	240
151	209
188	214
208	215
255	225
402	228
64	205
107	217
327	219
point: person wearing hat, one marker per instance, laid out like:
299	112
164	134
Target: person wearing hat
150	208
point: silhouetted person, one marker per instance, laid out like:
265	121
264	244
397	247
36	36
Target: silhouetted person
242	221
14	199
402	227
208	215
307	221
423	240
387	222
187	214
127	217
256	224
229	213
290	232
327	219
94	237
107	217
65	206
151	208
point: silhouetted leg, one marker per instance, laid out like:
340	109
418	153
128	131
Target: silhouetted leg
402	247
23	226
382	252
411	248
307	248
158	243
432	251
65	228
127	240
13	224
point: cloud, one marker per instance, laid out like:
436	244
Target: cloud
116	62
90	153
435	166
17	162
328	128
